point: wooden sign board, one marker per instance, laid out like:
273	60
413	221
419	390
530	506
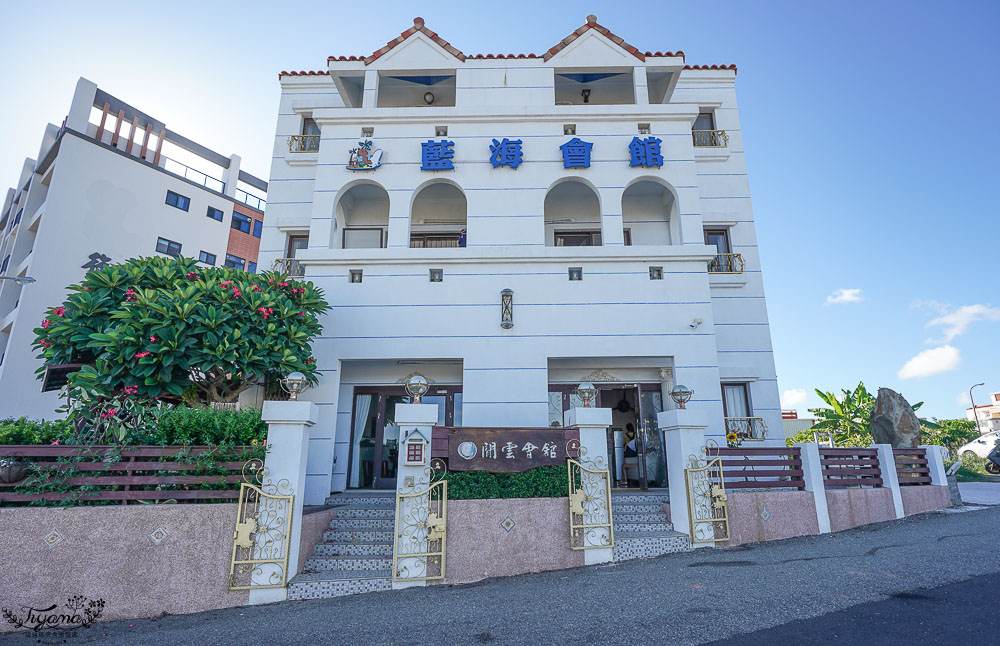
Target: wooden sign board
507	450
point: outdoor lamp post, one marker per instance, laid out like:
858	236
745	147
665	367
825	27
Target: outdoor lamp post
975	415
294	384
586	393
20	280
681	395
416	386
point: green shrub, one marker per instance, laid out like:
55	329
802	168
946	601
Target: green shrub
25	431
540	482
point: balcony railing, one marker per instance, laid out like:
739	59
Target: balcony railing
726	263
303	143
289	266
710	138
193	174
250	200
746	428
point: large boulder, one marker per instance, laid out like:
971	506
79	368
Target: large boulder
894	422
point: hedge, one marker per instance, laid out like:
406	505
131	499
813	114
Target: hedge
540	482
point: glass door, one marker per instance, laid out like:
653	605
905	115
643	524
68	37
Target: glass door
651	403
387	442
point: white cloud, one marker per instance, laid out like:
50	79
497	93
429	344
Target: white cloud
963	400
845	296
930	362
958	321
930	305
793	397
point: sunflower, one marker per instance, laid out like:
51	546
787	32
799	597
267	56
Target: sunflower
731	437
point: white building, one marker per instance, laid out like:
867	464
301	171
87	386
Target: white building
111	183
635	271
988	414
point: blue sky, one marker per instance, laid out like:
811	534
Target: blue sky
869	167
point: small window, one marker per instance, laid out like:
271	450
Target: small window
356	275
437	275
578	238
310	127
252	267
207	258
367	133
214	213
297	243
576	273
656	273
241	222
234	262
168	247
179	201
569	129
718	238
440	131
705	121
257	226
644	129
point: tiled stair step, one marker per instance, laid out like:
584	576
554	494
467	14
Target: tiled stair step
638	508
628	548
362	523
643	527
354	548
365	512
374	500
337	583
359	563
620	498
358	535
657	517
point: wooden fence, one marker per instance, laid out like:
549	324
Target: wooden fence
763	467
126	474
850	467
911	467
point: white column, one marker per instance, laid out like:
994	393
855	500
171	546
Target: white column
612	229
399	220
684	436
935	463
667	385
79	109
231	175
288	424
812	473
890	480
593	424
410	418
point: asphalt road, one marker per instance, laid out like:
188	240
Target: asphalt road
910	581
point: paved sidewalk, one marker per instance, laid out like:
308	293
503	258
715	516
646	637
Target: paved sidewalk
980	493
688	598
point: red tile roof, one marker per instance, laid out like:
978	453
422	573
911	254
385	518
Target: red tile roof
303	73
592	24
418	26
711	67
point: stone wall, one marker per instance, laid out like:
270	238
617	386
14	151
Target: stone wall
852	507
142	560
770	515
480	547
917	500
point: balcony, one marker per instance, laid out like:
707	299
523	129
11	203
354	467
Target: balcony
710	138
726	263
289	266
303	143
747	429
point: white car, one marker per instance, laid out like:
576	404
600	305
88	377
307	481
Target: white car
981	446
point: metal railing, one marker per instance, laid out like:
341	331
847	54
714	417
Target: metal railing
726	263
710	138
290	266
196	176
303	143
252	201
746	428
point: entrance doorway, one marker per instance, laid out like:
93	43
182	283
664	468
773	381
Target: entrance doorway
635	444
374	453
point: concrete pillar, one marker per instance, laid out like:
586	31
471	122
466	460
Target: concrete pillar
684	436
612	230
935	463
890	480
667	385
593	424
812	473
399	219
413	478
79	109
370	94
288	424
231	175
641	89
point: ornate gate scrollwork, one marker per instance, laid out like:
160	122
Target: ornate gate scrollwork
421	527
590	523
708	513
263	531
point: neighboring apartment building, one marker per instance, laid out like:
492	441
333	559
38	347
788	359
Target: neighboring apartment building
793	424
111	183
511	225
988	414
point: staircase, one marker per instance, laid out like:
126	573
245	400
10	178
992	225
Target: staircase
642	526
356	552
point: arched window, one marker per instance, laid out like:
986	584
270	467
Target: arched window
647	206
438	216
572	215
362	217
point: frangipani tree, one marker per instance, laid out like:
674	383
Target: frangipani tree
162	325
848	417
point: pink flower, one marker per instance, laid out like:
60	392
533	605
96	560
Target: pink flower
59	311
46	323
225	283
56	443
237	292
130	294
193	275
140	355
86	288
152	339
131	390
